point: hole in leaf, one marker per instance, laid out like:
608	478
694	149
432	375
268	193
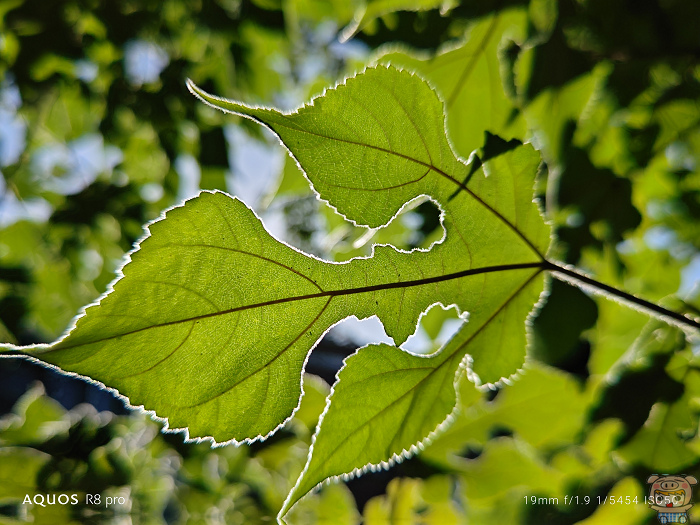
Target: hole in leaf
360	332
470	452
436	327
500	431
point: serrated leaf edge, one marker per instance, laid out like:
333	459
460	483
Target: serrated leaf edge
120	275
199	93
464	366
141	408
373	467
202	96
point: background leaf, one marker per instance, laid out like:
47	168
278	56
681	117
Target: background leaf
468	77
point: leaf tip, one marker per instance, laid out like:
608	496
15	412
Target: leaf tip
9	348
193	88
198	92
353	27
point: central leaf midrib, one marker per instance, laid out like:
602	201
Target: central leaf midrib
428	165
329	293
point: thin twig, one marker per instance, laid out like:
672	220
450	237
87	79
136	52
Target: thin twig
579	278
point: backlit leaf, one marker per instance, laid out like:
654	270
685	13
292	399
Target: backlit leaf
367	169
387	403
213	320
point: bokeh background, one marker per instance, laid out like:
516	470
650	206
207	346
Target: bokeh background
98	135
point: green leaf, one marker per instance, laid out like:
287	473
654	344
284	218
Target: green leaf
345	135
213	320
469	79
388	404
378	140
368	169
237	330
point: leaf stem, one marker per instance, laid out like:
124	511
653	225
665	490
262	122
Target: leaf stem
569	275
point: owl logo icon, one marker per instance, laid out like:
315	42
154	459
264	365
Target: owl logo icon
670	497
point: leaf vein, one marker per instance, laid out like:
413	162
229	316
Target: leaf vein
469	68
243	252
436	368
187	336
331	293
427	165
266	365
177	285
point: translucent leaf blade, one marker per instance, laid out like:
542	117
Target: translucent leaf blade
385	402
193	329
369	145
378	140
388	403
213	320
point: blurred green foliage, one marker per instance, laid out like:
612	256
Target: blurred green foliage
98	135
48	450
